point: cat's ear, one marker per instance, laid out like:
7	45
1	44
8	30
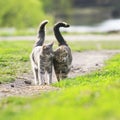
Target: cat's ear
51	44
44	46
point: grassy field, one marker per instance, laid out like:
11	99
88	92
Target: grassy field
13	59
14	55
94	96
94	45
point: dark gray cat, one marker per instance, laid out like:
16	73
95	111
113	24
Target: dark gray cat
42	58
62	55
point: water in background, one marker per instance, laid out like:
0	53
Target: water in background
110	25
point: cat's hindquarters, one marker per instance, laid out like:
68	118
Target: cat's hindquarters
62	61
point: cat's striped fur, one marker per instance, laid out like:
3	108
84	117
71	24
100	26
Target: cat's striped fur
42	58
62	55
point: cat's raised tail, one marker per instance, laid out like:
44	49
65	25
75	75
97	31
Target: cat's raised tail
41	34
57	33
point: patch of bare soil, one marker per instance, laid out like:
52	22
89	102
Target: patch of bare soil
83	63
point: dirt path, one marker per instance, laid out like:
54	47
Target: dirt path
83	63
72	37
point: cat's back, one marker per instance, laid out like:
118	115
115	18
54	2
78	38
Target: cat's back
63	58
36	50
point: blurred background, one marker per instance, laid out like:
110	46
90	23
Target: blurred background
83	15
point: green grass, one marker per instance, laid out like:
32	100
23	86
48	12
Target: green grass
14	55
88	97
94	45
95	96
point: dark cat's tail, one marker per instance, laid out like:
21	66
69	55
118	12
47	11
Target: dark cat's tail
41	34
57	33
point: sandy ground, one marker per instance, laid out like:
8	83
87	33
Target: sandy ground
83	63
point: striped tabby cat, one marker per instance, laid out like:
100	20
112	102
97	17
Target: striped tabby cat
42	58
62	55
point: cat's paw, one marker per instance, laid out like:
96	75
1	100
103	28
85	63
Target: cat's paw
41	83
34	83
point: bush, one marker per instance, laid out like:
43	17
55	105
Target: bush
21	13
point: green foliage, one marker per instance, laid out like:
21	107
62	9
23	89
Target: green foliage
30	13
21	13
58	8
48	5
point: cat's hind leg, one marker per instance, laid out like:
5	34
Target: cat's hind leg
58	76
35	73
64	75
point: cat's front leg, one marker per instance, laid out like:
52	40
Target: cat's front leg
42	79
49	78
41	76
49	75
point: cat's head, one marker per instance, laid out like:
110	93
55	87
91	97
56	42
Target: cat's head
61	24
47	48
61	55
